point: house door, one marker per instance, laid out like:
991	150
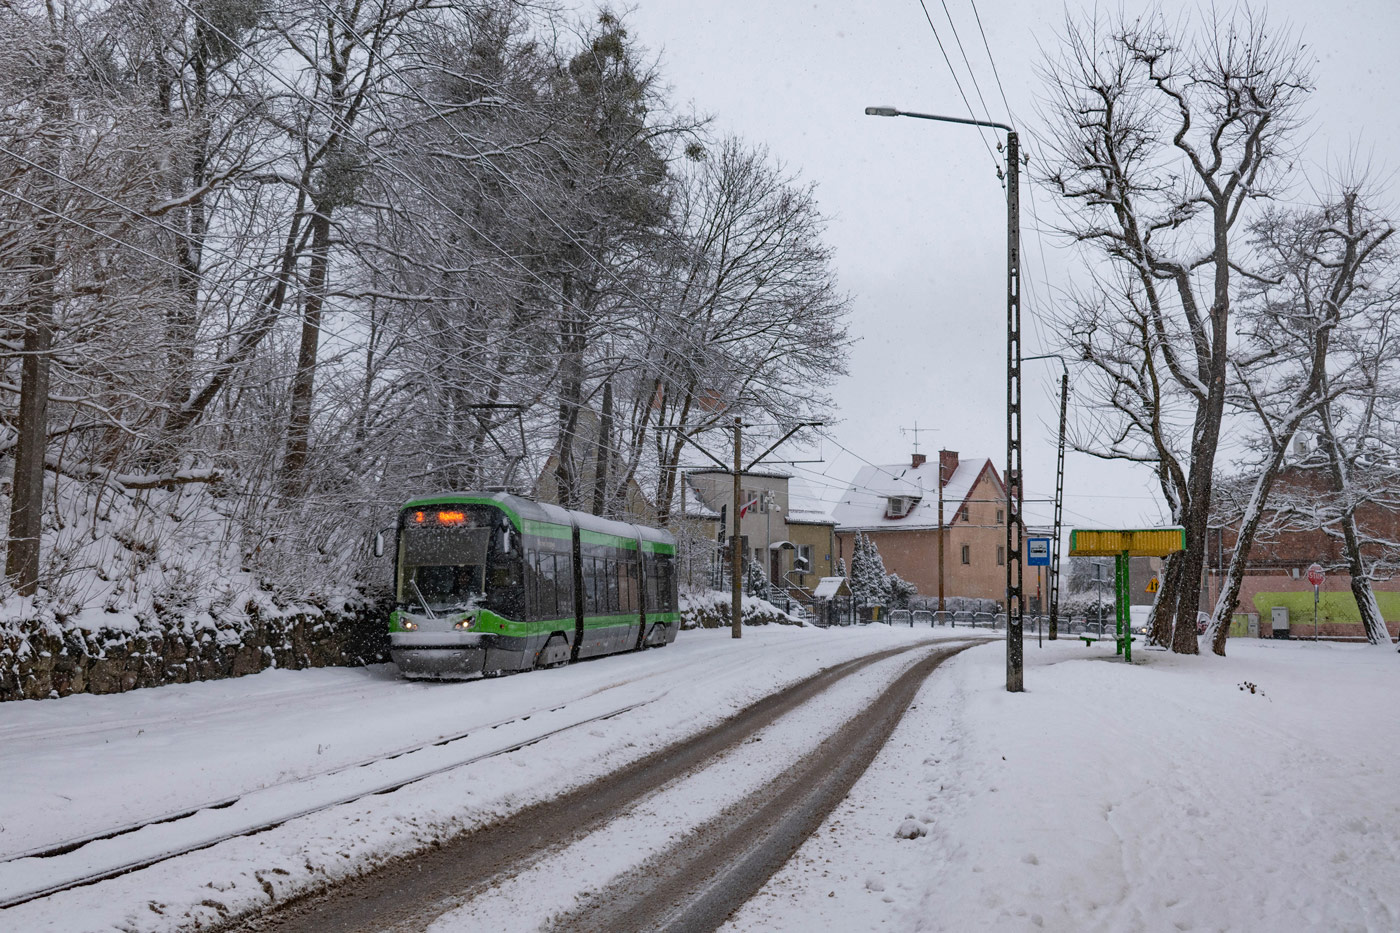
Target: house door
774	555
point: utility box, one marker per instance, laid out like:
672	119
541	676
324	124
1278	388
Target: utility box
1279	620
1253	618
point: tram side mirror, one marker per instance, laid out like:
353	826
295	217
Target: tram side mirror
379	544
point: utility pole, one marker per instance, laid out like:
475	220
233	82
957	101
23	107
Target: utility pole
736	555
1059	511
1015	594
1059	493
941	530
736	558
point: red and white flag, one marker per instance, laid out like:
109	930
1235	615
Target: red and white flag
744	509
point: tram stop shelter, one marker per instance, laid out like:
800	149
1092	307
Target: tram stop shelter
1121	544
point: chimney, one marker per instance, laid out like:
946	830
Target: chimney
919	460
947	464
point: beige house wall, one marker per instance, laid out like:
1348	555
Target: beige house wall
767	524
913	554
822	540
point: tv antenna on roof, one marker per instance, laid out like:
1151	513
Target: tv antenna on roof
915	431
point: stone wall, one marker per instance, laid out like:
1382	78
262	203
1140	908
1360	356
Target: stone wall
51	663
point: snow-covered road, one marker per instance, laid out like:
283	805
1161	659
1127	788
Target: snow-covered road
1161	795
87	764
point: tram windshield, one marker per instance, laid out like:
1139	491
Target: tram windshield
444	557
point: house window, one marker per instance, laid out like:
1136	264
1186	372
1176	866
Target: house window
1001	516
1001	555
964	514
900	506
967	553
804	552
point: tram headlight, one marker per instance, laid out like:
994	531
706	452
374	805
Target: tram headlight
408	626
465	625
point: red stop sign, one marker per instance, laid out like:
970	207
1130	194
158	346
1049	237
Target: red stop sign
1315	575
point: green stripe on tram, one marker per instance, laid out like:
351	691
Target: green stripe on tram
598	537
548	530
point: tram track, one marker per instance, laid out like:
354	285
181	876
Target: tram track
64	846
48	861
410	891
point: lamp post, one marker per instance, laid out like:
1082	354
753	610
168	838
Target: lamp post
1015	591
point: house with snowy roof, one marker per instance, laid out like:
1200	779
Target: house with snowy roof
783	519
897	507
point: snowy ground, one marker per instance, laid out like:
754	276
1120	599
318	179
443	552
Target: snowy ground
86	763
1107	797
1159	796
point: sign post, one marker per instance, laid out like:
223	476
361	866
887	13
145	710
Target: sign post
1037	556
1315	577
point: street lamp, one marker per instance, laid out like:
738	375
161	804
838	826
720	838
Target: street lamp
1015	592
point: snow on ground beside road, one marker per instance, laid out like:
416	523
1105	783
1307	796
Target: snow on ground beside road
88	763
1156	796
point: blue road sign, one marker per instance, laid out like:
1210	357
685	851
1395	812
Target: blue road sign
1037	552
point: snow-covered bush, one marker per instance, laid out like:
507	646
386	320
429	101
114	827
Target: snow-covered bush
901	591
711	609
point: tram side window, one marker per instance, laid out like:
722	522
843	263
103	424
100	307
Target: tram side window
629	583
544	586
613	568
590	586
564	583
664	570
653	605
600	577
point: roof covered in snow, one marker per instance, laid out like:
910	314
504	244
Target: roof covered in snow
865	503
695	506
804	508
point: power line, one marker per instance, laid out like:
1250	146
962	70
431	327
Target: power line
981	132
970	73
507	177
990	58
348	131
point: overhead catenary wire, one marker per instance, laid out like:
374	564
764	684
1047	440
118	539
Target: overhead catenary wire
349	132
1032	305
204	245
981	131
976	85
507	177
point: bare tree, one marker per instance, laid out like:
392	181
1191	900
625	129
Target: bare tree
751	304
1163	136
1319	276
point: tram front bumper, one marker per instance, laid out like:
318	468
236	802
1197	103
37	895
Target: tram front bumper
439	655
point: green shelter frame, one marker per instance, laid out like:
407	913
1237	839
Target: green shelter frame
1121	544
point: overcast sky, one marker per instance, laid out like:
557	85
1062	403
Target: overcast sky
917	216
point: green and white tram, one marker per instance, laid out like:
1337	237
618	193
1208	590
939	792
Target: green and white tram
490	582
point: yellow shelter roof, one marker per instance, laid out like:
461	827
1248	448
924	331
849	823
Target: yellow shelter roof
1138	542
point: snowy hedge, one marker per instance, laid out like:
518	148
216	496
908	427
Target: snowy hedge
710	609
